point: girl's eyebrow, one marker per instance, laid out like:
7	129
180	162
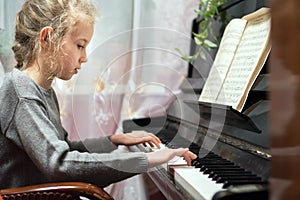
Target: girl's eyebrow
83	39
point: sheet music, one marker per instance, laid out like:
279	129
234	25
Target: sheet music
228	45
245	63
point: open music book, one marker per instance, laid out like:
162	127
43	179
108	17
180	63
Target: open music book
243	50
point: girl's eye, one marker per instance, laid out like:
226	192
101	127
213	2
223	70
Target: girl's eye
80	46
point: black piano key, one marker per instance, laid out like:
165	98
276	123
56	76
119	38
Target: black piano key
207	159
215	176
232	172
242	182
195	161
209	155
228	168
194	148
212	163
237	178
237	171
216	166
164	141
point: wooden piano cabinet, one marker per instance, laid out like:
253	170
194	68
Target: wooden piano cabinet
285	100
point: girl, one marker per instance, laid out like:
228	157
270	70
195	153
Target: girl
50	42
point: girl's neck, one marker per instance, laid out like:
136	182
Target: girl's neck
39	76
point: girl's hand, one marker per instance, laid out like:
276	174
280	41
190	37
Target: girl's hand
136	137
162	156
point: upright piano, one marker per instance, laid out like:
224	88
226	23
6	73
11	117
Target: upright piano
232	147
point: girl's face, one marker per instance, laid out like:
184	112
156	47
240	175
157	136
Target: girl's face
73	52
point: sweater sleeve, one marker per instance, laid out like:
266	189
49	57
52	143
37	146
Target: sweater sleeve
52	155
94	145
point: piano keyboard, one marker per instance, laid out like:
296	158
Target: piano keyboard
211	174
208	175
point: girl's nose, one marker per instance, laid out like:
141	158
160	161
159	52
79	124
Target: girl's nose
83	58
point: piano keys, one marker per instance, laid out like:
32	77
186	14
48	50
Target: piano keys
210	175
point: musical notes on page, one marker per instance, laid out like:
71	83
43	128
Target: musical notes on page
242	53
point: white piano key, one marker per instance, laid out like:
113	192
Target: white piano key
196	184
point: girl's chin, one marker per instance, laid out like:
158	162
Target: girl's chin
65	78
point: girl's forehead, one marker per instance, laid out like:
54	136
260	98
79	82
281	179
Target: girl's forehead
82	30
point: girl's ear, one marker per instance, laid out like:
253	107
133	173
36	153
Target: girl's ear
45	34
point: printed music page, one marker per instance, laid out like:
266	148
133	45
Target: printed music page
228	45
239	61
249	59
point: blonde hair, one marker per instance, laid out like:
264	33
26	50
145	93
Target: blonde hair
61	15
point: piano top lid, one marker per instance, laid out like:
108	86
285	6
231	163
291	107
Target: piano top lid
228	115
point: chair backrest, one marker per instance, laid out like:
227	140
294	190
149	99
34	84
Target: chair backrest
56	191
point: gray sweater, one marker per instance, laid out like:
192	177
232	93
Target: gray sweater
35	148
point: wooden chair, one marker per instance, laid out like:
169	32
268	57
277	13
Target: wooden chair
56	191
